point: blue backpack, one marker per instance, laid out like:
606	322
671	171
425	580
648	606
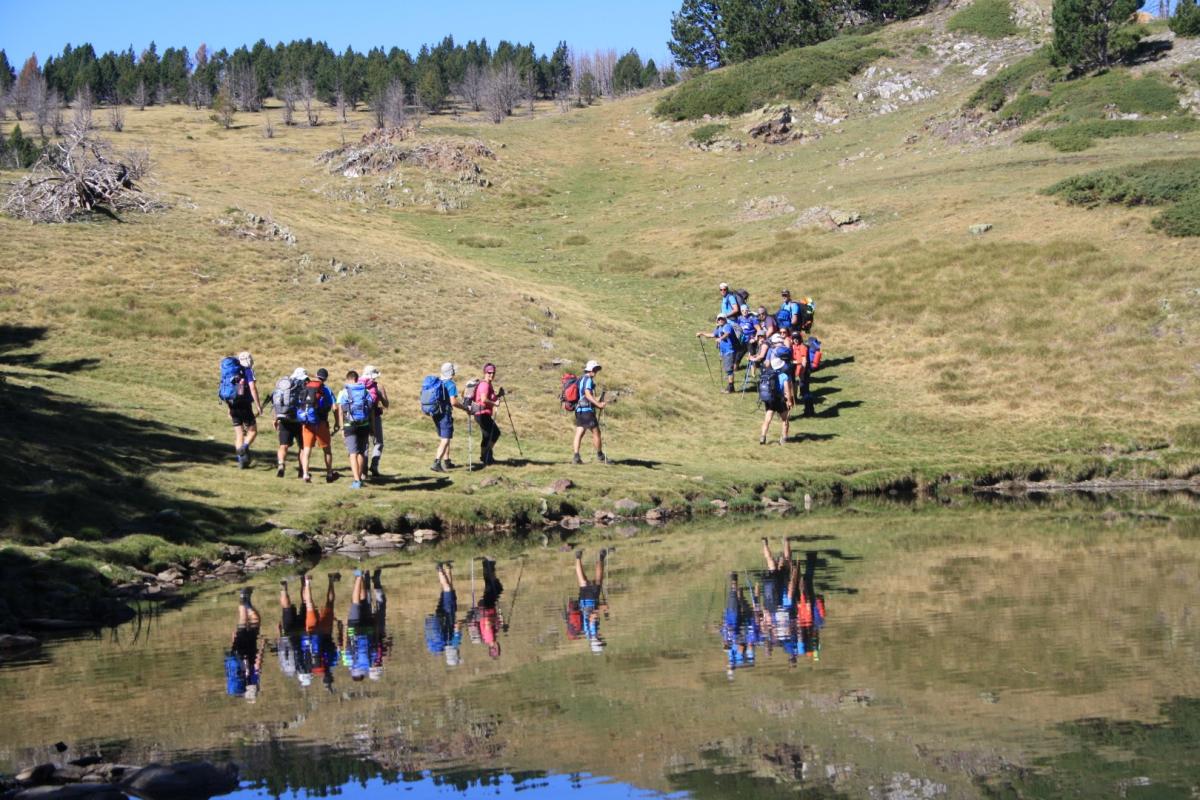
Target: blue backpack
768	387
233	380
358	406
433	396
309	404
784	315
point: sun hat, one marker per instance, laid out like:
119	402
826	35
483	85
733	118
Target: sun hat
299	374
776	338
245	359
370	371
723	286
448	371
591	366
721	316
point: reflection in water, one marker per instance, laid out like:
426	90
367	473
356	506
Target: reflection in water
365	644
486	619
243	664
443	632
583	615
318	641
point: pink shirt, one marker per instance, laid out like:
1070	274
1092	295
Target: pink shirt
484	392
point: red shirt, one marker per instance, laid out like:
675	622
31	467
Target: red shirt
484	392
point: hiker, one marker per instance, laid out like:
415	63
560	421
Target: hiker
810	610
808	310
487	619
767	324
379	396
788	315
353	413
239	390
805	356
585	413
730	302
739	628
443	633
294	660
243	664
775	392
318	640
285	400
484	402
316	401
363	642
726	346
439	398
592	601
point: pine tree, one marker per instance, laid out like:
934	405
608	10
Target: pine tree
431	89
697	40
1085	32
1184	22
627	74
8	75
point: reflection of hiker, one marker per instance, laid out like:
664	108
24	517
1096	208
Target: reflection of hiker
294	660
739	628
775	582
810	610
243	664
239	390
592	602
439	398
379	399
353	413
775	392
316	401
318	639
726	345
443	632
486	618
363	643
585	414
285	399
484	402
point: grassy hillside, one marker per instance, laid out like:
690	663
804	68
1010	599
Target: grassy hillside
1060	342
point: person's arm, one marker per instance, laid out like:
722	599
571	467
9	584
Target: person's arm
337	414
705	334
456	399
788	396
254	396
591	397
383	395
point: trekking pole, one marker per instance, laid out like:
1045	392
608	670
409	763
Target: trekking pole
472	582
707	366
600	411
504	399
470	467
746	379
512	605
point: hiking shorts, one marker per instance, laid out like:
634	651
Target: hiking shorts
289	432
727	362
292	619
360	613
357	439
586	420
779	407
315	622
242	415
315	435
445	425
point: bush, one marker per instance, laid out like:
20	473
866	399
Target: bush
995	91
481	242
1186	19
1026	107
1092	97
1181	219
989	18
791	75
1152	183
707	134
1081	135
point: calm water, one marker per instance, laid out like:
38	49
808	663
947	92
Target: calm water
946	653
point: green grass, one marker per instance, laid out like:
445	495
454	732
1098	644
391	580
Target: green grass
1091	97
1181	219
792	75
707	134
1154	183
1076	136
992	19
480	242
1008	82
1025	107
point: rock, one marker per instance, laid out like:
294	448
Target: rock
719	505
762	208
425	536
486	482
381	542
395	539
625	505
226	568
92	791
658	514
560	486
172	575
603	516
294	533
980	228
37	775
776	502
844	217
11	642
190	779
570	523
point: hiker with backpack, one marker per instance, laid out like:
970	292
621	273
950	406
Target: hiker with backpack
807	357
775	392
767	324
316	401
483	400
592	601
239	391
729	300
379	397
788	315
353	414
286	399
443	630
439	398
579	395
726	339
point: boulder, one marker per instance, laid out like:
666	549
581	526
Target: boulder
719	505
486	482
560	486
603	516
570	523
658	514
294	533
425	536
395	539
186	780
779	503
171	575
227	568
980	228
625	505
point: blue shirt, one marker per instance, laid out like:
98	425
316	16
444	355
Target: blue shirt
749	328
730	303
725	346
786	312
783	379
586	384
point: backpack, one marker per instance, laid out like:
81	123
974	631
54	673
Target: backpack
784	315
570	391
814	353
358	406
808	309
469	396
768	387
743	296
433	396
574	618
285	397
233	380
372	388
307	404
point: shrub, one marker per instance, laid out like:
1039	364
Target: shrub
1025	107
707	134
1091	97
995	91
989	18
1186	19
1181	219
481	241
791	75
1152	183
1081	135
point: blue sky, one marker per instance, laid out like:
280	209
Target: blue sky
28	26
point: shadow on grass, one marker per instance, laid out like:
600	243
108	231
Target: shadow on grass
833	362
637	462
812	437
836	409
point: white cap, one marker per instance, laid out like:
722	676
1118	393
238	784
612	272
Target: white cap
299	374
723	286
721	316
245	359
776	338
448	371
591	366
776	362
371	372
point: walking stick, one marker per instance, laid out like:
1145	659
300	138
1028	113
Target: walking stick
470	466
512	605
707	366
504	399
600	411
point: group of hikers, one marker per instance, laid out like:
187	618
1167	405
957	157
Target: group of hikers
778	350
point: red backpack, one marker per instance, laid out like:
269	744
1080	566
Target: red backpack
570	392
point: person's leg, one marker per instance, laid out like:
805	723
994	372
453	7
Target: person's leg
444	578
250	435
359	592
762	436
600	567
238	438
578	440
305	452
281	458
376	442
579	569
787	549
597	441
770	558
285	600
785	418
306	593
330	594
328	462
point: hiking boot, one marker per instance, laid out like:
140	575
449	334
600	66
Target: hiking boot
355	484
762	440
279	471
335	576
729	388
575	459
240	460
600	457
447	463
375	467
437	466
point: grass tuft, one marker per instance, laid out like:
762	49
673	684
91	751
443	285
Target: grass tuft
707	134
575	240
481	242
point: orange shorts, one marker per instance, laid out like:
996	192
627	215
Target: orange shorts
319	623
315	435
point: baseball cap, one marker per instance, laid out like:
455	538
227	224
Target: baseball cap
489	367
322	374
785	293
370	371
448	371
721	316
245	359
299	374
591	366
723	286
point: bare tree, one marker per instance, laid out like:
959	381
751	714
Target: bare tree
83	108
307	96
199	95
162	95
55	108
287	96
473	87
268	128
340	103
224	108
503	92
116	118
141	96
242	84
41	103
388	105
605	62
